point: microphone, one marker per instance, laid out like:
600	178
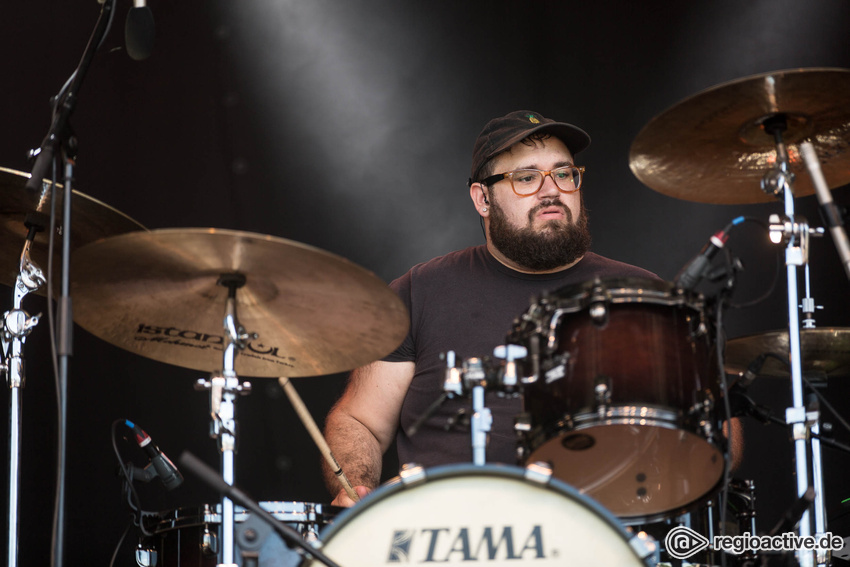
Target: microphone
139	31
162	465
693	273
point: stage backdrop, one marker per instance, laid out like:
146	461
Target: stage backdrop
349	126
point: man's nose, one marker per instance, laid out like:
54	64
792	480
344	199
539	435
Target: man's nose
549	188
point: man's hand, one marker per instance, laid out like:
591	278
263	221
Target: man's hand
344	500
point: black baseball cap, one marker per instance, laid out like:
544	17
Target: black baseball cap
501	133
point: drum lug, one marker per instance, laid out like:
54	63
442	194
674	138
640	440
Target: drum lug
209	542
539	472
522	428
599	313
309	530
646	547
602	392
145	556
703	408
412	474
522	423
598	309
702	412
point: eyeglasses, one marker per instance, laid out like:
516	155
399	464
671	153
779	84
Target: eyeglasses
527	182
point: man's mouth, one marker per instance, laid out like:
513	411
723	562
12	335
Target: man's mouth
552	212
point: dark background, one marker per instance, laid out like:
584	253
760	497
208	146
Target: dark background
349	126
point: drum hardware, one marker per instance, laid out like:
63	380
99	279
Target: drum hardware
231	492
795	234
17	325
705	519
186	537
25	218
474	377
482	421
23	208
223	388
602	391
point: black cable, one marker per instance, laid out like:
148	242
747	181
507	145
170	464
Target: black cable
720	344
777	271
120	543
51	325
133	500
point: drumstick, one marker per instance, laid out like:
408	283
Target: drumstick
317	436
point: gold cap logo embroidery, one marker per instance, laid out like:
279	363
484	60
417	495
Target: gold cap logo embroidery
533	119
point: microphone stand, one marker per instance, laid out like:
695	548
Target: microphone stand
60	139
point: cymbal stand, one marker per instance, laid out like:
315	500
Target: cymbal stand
795	233
17	325
835	222
223	389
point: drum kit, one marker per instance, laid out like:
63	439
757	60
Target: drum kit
622	380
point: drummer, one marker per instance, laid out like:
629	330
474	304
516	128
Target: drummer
527	188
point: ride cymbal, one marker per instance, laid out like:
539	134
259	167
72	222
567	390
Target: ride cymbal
91	220
713	148
156	294
824	351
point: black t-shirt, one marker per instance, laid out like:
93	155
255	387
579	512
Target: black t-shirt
466	301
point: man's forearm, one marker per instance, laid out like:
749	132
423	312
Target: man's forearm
356	450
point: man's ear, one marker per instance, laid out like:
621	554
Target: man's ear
478	194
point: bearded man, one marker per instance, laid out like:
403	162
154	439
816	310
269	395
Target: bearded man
527	188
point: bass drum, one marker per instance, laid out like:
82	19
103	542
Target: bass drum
496	515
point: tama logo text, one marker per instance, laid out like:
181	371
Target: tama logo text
441	545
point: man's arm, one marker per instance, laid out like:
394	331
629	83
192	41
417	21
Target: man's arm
736	442
362	425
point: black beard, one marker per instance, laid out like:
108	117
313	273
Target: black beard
556	244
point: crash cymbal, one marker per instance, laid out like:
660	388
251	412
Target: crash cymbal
825	351
91	220
712	147
156	294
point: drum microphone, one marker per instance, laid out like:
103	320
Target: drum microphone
162	465
694	272
139	31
